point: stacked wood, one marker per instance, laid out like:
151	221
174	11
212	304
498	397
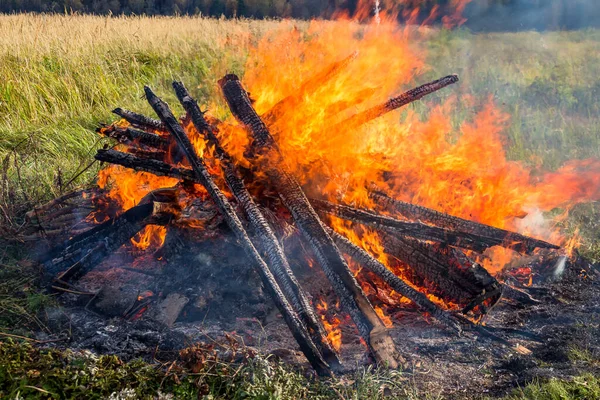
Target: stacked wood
429	244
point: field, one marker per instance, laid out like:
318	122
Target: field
62	75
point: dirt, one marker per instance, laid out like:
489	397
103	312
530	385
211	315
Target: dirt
224	296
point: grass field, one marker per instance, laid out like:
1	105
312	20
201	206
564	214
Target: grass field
62	75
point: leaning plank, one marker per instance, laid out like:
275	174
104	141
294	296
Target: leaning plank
234	223
509	239
394	103
408	229
261	230
140	121
352	298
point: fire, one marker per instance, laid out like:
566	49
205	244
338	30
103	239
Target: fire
387	321
409	11
151	236
463	172
458	168
334	333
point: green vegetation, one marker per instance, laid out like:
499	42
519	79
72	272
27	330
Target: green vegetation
29	372
546	82
582	387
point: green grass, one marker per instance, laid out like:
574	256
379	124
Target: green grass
547	82
582	387
29	372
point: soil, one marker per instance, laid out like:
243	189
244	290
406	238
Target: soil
221	295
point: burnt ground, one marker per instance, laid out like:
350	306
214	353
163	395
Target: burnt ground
223	296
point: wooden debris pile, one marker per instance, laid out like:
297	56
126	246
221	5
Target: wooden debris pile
436	247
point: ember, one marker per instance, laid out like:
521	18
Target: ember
325	159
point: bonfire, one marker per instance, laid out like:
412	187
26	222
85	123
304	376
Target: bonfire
312	177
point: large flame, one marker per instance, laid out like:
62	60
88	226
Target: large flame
460	169
463	171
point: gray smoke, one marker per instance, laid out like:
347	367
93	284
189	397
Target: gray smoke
518	15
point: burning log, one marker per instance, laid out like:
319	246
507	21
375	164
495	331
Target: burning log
131	136
368	261
351	296
452	274
395	103
509	239
140	121
307	87
410	229
201	173
86	251
155	167
262	231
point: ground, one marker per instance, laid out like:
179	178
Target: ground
63	74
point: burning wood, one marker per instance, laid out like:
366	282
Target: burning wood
263	190
140	121
234	223
132	137
82	253
397	102
410	229
352	298
506	238
268	242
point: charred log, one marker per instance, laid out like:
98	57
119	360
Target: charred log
408	229
351	296
446	271
131	136
88	251
368	261
201	173
140	121
395	103
147	165
261	229
508	239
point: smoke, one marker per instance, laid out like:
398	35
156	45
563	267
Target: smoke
519	15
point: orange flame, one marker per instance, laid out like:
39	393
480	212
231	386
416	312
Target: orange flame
151	236
387	321
334	333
